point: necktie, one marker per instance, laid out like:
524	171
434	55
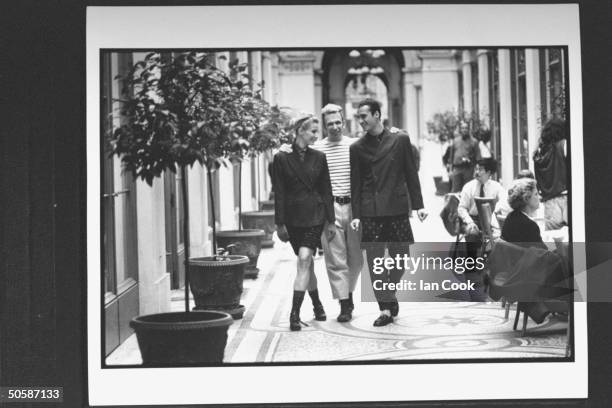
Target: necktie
482	190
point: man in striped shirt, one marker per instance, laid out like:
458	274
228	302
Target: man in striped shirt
343	254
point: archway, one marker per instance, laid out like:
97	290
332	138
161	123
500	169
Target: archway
379	71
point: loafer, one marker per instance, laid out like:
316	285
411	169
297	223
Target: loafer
383	320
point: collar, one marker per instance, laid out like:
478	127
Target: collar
299	150
378	137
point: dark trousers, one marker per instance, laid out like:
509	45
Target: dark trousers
460	176
377	250
473	244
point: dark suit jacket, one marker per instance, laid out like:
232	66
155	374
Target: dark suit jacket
302	190
521	230
382	175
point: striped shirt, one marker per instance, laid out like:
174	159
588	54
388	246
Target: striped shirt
338	161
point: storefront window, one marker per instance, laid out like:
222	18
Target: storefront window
519	111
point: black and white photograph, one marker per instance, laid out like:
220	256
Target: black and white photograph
334	200
203	148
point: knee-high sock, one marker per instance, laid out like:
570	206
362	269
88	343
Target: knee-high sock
298	298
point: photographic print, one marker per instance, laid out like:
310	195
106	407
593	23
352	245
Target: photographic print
309	197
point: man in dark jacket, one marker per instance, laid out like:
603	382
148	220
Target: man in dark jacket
383	180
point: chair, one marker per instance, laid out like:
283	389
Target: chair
500	220
485	214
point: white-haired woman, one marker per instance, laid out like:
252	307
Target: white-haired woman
519	227
303	202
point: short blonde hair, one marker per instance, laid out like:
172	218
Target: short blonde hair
331	108
520	193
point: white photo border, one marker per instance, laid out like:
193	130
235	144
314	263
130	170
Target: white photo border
450	26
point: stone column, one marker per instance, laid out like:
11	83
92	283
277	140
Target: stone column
266	65
534	103
153	280
255	68
297	83
484	104
275	78
505	117
411	104
222	63
466	67
440	82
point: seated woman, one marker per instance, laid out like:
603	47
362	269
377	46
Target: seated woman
519	228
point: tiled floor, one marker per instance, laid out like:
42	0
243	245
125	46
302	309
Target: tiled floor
422	331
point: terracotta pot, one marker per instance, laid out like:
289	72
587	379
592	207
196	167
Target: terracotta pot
267	205
174	339
217	285
245	242
261	220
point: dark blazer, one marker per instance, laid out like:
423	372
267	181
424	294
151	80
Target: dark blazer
302	189
382	176
521	230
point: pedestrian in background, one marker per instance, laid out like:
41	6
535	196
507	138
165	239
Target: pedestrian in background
550	167
463	154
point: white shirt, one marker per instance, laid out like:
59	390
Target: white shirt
339	163
467	204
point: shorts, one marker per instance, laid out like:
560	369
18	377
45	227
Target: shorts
309	237
393	228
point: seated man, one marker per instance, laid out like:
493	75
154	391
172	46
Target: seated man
480	186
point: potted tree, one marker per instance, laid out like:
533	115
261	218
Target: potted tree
176	111
252	133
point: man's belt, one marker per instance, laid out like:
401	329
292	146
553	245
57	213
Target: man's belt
342	200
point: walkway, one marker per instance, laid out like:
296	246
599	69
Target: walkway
423	331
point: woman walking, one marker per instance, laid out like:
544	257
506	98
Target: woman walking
303	203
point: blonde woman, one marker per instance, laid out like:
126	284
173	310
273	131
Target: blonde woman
303	204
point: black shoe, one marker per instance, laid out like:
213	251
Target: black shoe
319	313
317	307
345	311
394	308
351	304
295	324
383	320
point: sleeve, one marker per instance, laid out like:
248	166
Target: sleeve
535	237
446	157
279	190
463	210
326	192
477	153
355	182
411	174
502	199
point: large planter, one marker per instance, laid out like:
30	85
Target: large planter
217	285
260	220
182	337
267	205
442	187
245	242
